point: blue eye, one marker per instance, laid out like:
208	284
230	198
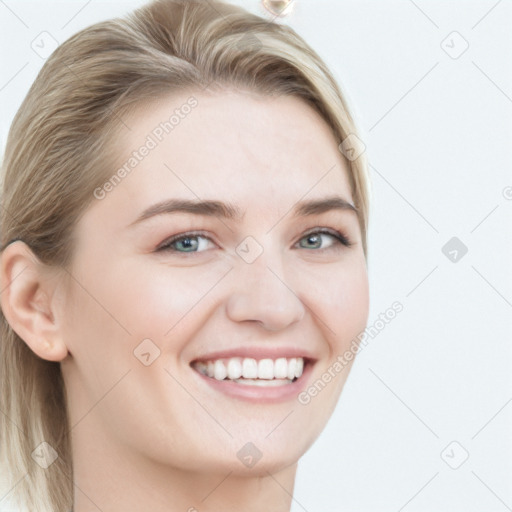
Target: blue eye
189	242
193	242
315	239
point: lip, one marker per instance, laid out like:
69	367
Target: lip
257	353
258	394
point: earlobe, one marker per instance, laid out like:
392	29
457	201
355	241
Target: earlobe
27	301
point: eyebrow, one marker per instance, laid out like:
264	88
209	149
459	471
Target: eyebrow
229	211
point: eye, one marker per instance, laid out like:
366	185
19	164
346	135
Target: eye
186	242
323	238
193	242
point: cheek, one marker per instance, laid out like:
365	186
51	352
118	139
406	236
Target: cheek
351	305
339	298
157	301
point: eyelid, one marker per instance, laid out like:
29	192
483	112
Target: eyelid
341	238
165	245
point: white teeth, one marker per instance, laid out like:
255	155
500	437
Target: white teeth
280	368
266	369
292	365
249	371
300	367
263	383
234	368
250	368
219	370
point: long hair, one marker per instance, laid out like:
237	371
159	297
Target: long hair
60	148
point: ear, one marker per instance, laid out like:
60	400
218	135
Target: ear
28	299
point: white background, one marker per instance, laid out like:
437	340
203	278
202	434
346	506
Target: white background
438	136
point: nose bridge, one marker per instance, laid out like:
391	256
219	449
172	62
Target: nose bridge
262	292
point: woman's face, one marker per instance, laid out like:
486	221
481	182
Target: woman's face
239	270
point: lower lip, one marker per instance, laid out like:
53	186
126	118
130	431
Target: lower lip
260	394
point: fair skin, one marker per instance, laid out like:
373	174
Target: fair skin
163	437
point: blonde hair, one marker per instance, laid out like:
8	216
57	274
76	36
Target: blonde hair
59	150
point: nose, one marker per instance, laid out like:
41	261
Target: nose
264	295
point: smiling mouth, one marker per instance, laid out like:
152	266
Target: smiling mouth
253	372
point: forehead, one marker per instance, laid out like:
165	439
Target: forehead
235	146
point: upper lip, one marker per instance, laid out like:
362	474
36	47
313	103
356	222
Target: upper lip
257	353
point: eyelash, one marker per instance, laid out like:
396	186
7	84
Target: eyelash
337	235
